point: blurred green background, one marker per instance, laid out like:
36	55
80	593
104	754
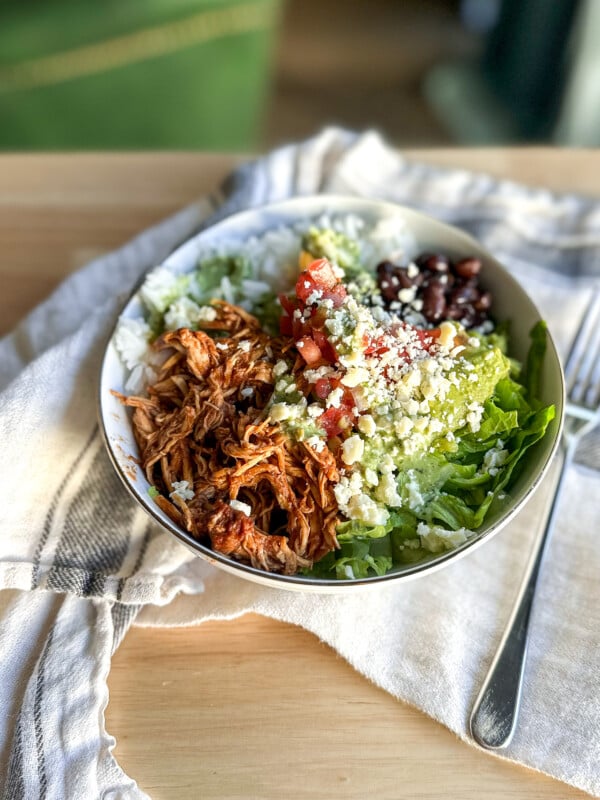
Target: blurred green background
240	75
132	74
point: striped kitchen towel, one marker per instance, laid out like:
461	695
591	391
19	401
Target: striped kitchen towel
79	562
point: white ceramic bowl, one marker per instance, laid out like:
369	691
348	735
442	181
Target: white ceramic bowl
510	302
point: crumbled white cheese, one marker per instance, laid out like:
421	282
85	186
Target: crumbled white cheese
364	508
447	334
314	297
403	426
411	407
407	295
387	491
387	464
436	539
367	425
279	412
352	449
343	493
494	458
313	375
280	368
420	424
371	477
237	505
355	376
415	498
334	398
412	379
474	416
316	442
435	425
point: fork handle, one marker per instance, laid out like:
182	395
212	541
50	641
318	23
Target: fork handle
494	715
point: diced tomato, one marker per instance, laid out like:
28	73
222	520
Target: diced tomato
307	328
299	328
309	351
323	388
374	346
287	303
285	326
335	420
305	286
322	274
327	350
320	277
337	294
427	337
329	353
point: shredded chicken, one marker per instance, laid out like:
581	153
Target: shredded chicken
204	422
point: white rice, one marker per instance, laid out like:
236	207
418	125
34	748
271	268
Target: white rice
273	259
185	313
158	288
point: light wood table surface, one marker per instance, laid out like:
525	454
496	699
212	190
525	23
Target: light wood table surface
251	708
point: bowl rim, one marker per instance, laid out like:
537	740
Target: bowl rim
297	582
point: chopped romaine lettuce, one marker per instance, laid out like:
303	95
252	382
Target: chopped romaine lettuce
459	488
535	358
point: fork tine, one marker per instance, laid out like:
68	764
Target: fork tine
592	395
582	372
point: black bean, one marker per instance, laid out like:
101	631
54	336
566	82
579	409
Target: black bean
389	291
463	293
434	302
469	317
384	269
467	267
448	290
402	275
450	281
387	286
434	262
484	302
418	279
455	312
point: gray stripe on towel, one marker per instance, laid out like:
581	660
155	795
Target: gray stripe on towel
52	510
101	506
37	716
122	618
15	785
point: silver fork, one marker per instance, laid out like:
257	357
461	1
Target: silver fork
494	715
